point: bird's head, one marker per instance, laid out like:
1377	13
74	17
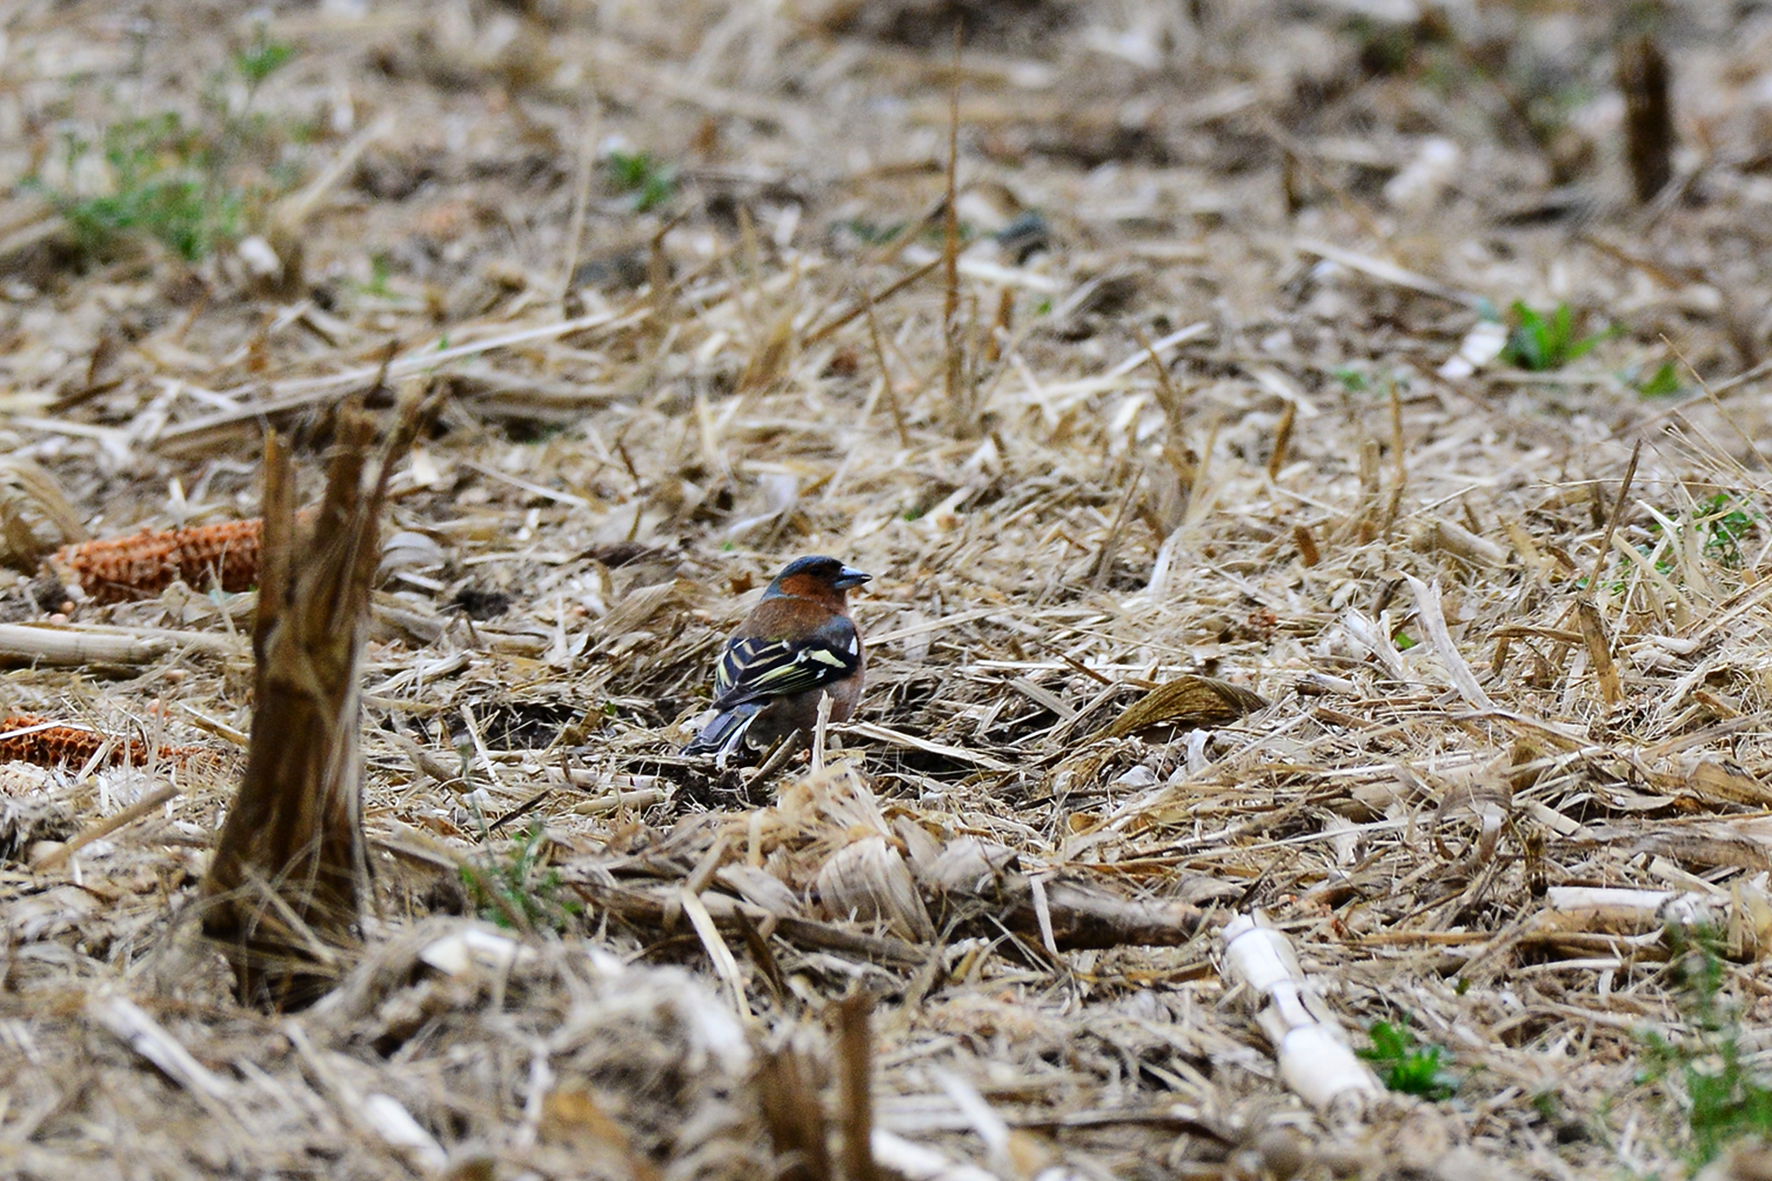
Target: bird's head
816	577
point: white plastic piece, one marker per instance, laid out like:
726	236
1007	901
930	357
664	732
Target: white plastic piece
260	258
1320	1067
1315	1059
473	949
1481	345
1421	183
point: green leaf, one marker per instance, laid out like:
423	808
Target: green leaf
518	890
1408	1067
263	59
649	180
1664	383
1539	343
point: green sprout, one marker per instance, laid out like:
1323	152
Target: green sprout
1408	1066
875	233
1725	523
1723	1099
188	184
160	175
381	271
1663	383
261	59
519	890
1541	342
651	181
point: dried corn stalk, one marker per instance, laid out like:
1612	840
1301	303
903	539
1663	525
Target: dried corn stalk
289	866
1741	916
1315	1058
868	880
141	565
1645	80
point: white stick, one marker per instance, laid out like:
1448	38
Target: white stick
131	1024
917	1163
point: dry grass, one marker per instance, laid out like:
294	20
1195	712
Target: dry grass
1242	418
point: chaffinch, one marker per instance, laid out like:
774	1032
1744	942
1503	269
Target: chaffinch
796	645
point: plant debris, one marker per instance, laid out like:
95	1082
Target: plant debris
1312	460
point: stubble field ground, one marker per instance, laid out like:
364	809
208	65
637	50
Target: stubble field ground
1192	406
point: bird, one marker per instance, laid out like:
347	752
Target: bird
797	645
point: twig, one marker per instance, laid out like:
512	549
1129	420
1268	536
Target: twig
108	825
294	393
1618	503
131	1024
959	408
1433	621
910	741
648	910
868	302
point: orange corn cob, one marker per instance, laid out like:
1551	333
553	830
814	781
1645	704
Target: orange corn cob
116	569
60	745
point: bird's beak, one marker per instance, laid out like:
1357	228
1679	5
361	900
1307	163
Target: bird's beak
849	576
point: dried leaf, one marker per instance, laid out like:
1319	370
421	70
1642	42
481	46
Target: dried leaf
35	514
1186	703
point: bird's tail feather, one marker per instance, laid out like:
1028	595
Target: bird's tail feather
722	736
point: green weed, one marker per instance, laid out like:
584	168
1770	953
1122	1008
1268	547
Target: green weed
874	233
381	272
651	181
1541	342
1663	383
159	187
519	890
1386	48
261	59
1720	1098
175	181
1724	522
1408	1066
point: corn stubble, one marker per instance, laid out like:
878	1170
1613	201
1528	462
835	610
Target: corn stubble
289	870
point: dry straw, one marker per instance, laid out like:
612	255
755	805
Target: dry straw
1230	561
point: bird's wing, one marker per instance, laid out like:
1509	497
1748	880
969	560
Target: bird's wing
753	668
